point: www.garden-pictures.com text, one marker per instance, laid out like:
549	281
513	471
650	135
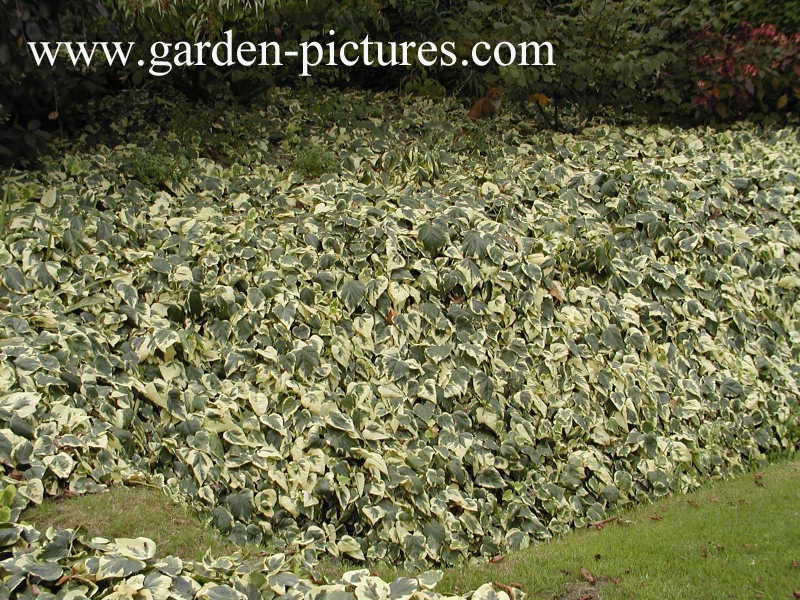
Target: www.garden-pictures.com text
225	53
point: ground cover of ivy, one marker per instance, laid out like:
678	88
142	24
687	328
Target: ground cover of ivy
363	327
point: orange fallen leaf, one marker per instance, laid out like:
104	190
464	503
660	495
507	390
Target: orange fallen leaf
506	588
544	101
656	517
497	559
587	576
556	293
390	316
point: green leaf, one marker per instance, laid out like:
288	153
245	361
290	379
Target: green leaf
490	478
433	238
351	293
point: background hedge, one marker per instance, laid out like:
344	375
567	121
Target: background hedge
635	56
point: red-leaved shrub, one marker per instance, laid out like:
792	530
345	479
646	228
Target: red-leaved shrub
755	69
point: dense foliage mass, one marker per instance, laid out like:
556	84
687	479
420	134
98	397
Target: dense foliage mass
397	339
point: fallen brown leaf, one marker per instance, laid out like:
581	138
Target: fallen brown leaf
556	293
506	588
497	559
795	563
758	479
656	517
603	523
797	594
587	576
703	552
616	580
694	503
455	297
390	316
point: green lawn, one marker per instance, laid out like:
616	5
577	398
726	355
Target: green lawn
132	512
732	539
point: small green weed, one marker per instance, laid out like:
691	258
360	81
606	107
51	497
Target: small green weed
157	166
314	161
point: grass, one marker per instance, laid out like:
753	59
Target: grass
133	512
733	539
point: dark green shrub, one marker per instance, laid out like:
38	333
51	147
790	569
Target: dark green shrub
36	101
785	15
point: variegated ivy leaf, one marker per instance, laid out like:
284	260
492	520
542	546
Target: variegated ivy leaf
140	548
